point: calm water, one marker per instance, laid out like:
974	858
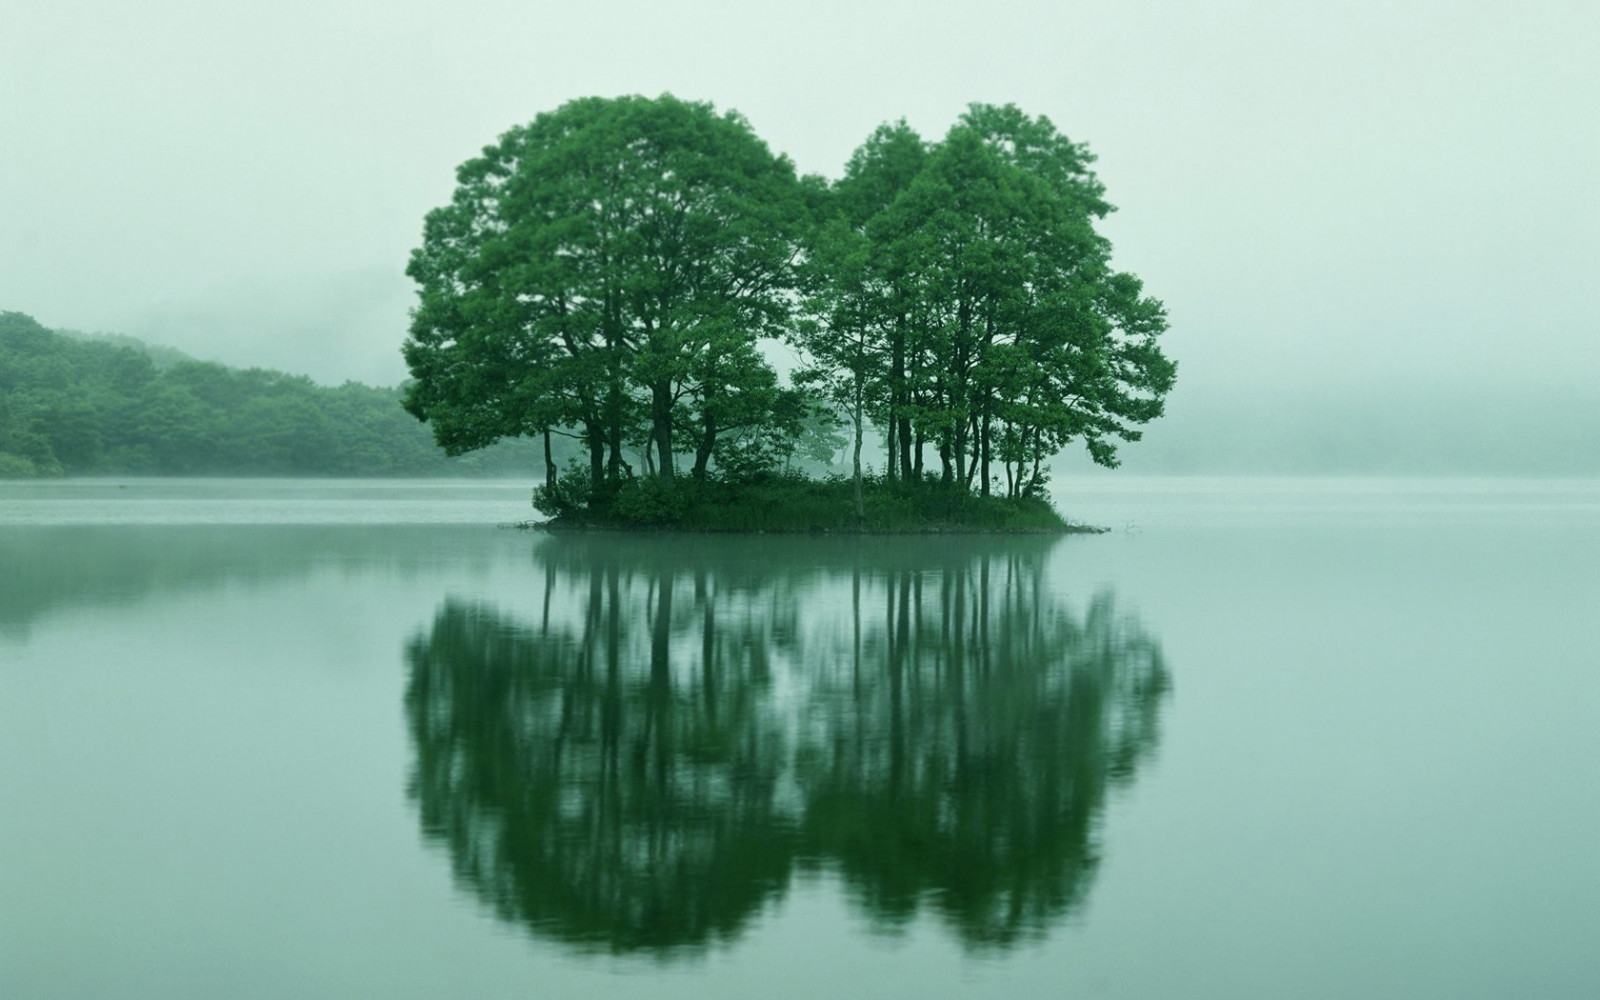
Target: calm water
1267	738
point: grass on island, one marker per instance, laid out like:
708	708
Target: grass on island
792	503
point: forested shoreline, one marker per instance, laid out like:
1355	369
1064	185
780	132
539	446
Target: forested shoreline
77	406
613	271
605	291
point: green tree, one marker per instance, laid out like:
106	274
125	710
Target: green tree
966	298
590	267
857	313
839	334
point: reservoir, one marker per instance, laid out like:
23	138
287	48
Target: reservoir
1263	738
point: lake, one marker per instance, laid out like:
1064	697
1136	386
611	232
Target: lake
1265	738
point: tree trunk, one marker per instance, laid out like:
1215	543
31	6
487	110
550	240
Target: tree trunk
891	445
661	427
983	443
911	471
613	431
708	444
960	450
960	399
549	462
899	428
594	436
861	507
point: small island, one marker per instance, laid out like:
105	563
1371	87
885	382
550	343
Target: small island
645	278
795	503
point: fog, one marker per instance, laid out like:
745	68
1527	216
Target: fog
1369	215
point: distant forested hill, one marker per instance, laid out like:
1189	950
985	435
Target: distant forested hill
104	405
163	357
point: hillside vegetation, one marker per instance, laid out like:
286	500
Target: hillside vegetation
76	406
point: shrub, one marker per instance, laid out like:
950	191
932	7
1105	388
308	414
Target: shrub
567	496
653	503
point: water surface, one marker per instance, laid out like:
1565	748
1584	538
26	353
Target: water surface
1265	738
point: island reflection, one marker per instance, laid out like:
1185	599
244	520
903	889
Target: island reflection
645	758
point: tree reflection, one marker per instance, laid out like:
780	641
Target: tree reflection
962	760
641	761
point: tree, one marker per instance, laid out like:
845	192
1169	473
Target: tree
965	297
839	334
589	270
609	270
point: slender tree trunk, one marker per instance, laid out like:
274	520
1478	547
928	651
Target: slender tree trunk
960	401
708	439
549	462
661	427
594	436
971	435
959	453
614	408
907	467
983	442
708	444
910	442
960	450
861	508
891	446
899	446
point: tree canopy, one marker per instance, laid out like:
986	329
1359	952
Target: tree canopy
606	271
615	270
87	406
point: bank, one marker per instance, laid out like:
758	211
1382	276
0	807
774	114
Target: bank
794	504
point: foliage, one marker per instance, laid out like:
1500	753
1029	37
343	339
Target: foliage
605	272
567	496
83	406
609	272
962	293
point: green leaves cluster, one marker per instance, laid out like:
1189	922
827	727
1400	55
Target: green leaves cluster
613	270
73	406
606	272
960	296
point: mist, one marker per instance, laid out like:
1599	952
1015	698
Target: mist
1373	227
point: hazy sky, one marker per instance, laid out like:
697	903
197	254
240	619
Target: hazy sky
1323	193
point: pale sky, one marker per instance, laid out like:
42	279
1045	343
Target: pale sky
1323	193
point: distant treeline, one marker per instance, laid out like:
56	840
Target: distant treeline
1376	428
86	406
